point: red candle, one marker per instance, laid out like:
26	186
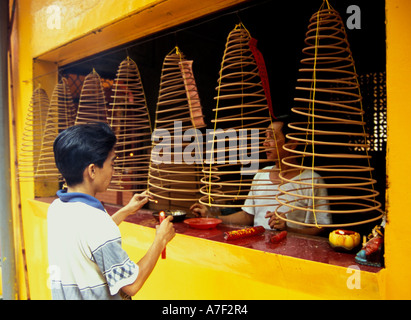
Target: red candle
242	233
162	216
278	237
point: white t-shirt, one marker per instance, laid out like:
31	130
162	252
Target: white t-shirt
86	260
266	192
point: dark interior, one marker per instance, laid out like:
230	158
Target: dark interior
279	27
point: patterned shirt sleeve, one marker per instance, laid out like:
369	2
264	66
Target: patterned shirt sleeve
115	265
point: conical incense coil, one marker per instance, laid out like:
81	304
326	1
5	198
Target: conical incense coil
130	121
33	134
241	113
328	127
174	173
92	106
60	116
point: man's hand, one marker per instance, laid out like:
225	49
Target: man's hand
137	202
199	210
165	231
275	222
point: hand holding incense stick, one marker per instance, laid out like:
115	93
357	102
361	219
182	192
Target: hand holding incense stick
150	197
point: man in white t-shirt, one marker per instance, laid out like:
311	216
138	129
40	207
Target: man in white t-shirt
258	211
86	259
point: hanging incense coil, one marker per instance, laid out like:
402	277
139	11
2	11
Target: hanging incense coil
241	113
129	118
174	173
92	106
328	127
60	116
33	134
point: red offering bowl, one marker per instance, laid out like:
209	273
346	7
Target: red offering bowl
203	223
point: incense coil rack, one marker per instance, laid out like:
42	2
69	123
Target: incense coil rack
328	132
92	106
129	118
33	134
172	177
60	116
241	112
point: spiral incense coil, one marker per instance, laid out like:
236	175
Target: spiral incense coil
33	134
60	116
129	118
328	127
92	106
173	176
242	116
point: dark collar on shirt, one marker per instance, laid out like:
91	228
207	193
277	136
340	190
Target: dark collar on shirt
80	197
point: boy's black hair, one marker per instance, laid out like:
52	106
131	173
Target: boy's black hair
81	145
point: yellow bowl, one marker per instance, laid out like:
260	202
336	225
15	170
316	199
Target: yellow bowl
344	239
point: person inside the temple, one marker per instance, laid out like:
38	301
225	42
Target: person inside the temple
254	214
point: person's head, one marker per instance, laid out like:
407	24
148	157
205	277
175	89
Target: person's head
81	146
275	138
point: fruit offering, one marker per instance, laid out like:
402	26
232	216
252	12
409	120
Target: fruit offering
344	239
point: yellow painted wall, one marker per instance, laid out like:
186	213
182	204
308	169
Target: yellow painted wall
202	269
83	34
398	247
77	19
